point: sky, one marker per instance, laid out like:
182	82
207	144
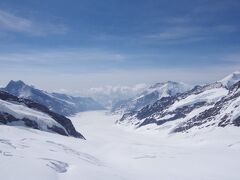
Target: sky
78	44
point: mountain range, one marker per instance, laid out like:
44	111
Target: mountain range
60	103
169	106
150	95
212	105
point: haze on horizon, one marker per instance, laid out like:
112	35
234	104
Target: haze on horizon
79	44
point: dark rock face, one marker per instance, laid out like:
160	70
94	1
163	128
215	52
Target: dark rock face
158	106
65	122
59	103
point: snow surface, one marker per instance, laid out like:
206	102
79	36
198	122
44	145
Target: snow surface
209	96
112	152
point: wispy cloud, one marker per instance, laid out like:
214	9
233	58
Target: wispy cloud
190	28
61	57
191	32
13	23
78	81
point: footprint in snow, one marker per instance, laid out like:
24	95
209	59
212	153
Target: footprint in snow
4	153
145	157
58	166
230	145
7	142
83	156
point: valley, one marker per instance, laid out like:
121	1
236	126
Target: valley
114	152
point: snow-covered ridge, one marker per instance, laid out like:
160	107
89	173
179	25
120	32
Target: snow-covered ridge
20	111
169	88
151	95
231	79
24	112
211	105
209	96
59	103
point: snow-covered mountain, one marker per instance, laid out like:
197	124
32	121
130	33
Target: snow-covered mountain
225	112
212	105
24	112
150	95
201	112
59	103
231	79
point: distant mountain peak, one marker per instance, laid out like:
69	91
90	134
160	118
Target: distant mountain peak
168	88
231	79
19	88
59	103
152	94
160	84
18	83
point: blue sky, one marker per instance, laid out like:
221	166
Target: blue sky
88	43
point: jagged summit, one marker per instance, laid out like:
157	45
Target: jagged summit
151	95
17	82
168	88
231	79
19	88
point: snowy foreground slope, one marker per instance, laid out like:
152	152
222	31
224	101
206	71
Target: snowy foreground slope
112	152
16	111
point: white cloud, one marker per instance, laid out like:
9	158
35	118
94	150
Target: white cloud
13	23
189	28
79	81
188	32
61	56
76	69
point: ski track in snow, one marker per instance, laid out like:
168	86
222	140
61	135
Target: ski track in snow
113	152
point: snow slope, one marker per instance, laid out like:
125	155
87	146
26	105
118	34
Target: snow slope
231	79
16	111
20	111
115	153
169	113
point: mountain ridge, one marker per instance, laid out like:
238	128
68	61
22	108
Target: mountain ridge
151	94
196	108
25	112
60	103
